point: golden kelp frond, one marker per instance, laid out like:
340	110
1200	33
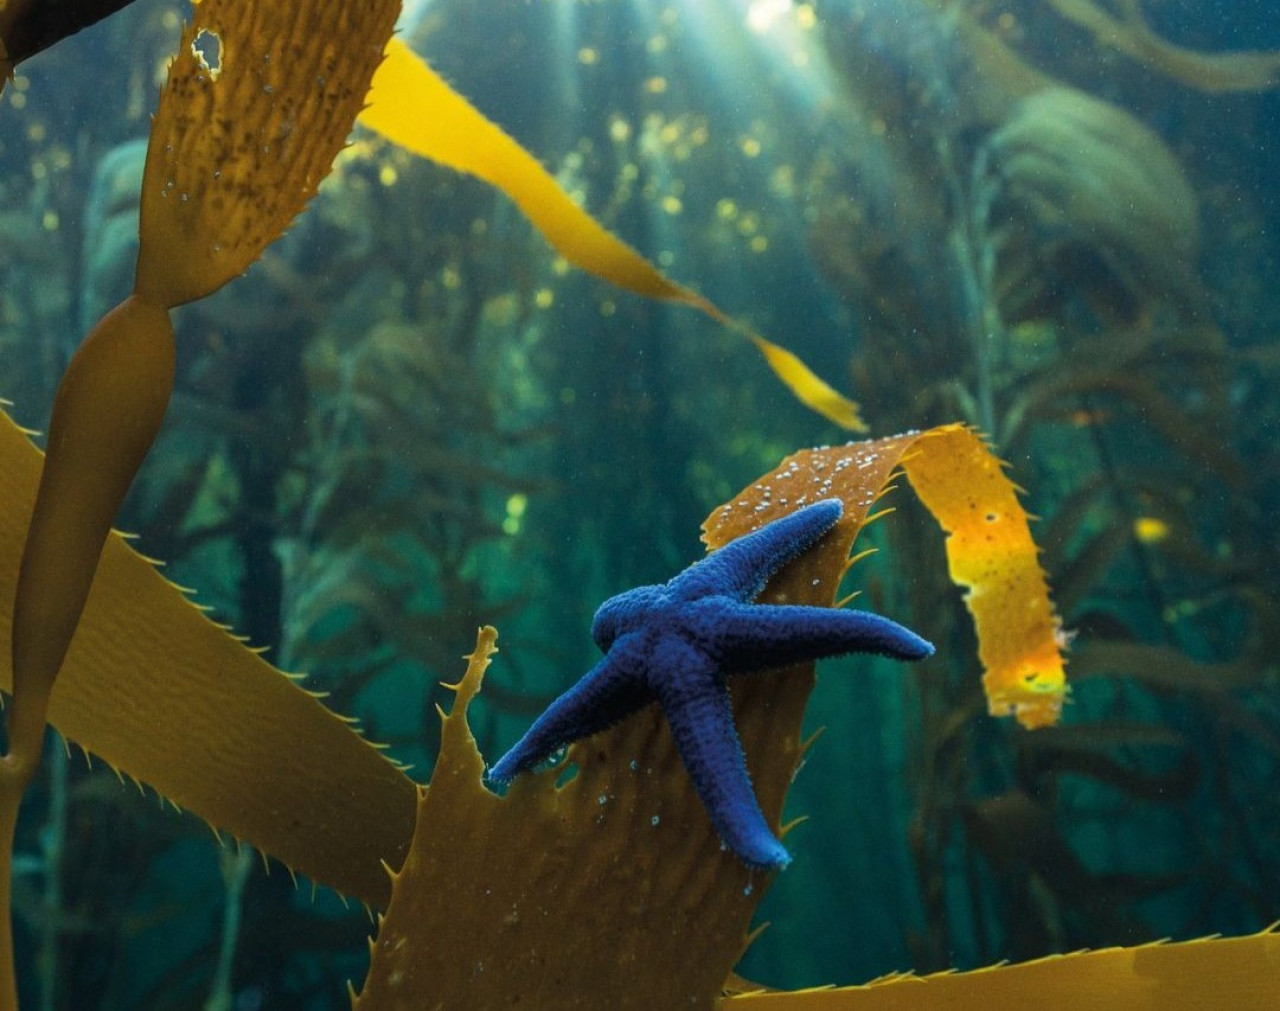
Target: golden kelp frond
412	106
621	858
989	549
1215	73
1242	973
239	144
160	692
243	138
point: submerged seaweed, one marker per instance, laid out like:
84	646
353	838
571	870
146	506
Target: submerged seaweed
411	418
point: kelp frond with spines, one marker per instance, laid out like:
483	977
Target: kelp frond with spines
1238	972
624	846
149	676
555	871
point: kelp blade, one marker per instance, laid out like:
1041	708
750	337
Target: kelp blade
412	106
507	900
241	141
238	146
621	858
1241	973
167	697
990	551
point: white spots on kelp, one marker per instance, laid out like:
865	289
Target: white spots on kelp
810	479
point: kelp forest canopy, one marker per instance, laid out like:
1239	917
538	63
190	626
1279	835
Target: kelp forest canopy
1053	220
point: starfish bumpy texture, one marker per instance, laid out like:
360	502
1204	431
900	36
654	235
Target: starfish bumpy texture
676	644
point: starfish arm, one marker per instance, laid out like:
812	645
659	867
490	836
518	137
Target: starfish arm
623	613
696	704
613	689
742	567
751	637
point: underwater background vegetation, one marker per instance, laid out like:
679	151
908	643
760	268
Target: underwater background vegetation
1055	220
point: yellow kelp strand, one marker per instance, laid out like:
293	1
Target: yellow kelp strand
412	106
990	552
1240	973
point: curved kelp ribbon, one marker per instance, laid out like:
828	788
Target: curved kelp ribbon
411	105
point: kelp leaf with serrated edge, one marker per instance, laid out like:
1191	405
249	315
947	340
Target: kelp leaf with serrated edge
166	696
621	857
1241	973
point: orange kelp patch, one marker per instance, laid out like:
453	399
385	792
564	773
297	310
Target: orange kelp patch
512	900
244	135
990	552
411	105
166	696
989	547
1241	973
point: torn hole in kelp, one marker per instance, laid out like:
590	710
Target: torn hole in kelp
207	48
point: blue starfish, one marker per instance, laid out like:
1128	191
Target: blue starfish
676	643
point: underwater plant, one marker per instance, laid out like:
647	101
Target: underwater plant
1037	701
1046	280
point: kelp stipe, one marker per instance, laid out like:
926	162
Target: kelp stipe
228	167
